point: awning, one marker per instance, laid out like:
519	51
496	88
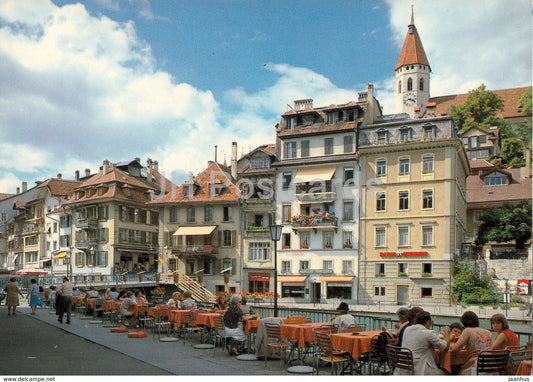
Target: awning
60	255
45	260
292	279
314	174
336	279
196	230
255	276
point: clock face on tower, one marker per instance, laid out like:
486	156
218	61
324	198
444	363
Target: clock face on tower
409	98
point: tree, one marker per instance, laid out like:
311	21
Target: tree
511	222
523	130
471	287
525	101
481	110
513	152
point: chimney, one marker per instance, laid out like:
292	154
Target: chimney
149	164
105	167
216	152
525	172
77	175
87	171
59	176
303	104
156	165
18	190
24	186
234	160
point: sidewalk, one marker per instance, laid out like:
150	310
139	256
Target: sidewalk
177	358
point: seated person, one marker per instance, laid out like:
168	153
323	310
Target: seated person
246	309
112	294
92	293
421	340
504	336
188	302
76	291
233	323
140	298
222	303
343	320
127	308
174	302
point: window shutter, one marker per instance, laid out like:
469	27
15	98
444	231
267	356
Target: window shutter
220	243
233	267
233	237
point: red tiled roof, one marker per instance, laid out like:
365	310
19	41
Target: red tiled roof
412	50
510	98
216	173
480	164
59	187
5	196
518	189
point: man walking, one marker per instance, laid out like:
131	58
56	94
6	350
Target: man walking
66	299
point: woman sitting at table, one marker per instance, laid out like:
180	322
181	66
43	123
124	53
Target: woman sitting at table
505	336
222	303
233	322
174	302
246	309
127	307
188	302
140	298
421	340
473	337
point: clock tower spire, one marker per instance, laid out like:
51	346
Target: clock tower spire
412	72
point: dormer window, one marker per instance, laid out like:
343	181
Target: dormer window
429	132
496	179
330	118
290	123
382	136
405	134
259	163
189	190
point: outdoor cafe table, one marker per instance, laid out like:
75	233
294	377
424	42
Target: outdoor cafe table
177	316
302	333
524	368
355	344
446	359
207	318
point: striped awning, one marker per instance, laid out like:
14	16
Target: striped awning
292	279
196	230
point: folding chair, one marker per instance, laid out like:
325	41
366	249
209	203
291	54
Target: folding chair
219	333
517	354
273	331
191	327
400	358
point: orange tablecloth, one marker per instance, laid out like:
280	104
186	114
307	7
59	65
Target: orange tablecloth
447	359
301	332
176	315
355	344
207	318
250	326
111	305
90	303
76	299
524	368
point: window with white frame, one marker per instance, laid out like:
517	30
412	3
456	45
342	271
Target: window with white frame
379	291
404	166
286	210
382	137
227	214
403	197
287	179
305	240
402	269
347	210
304	148
327	237
477	216
289	150
348	175
347	267
191	214
208	214
380	269
381	167
328	146
348	144
495	179
259	251
304	264
405	134
327	265
427	235
285	267
347	239
173	215
381	200
429	132
380	236
427	164
403	236
427	199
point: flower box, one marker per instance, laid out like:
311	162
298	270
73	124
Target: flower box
347	245
286	247
305	246
427	274
380	274
402	274
327	245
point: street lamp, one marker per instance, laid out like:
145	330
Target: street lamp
275	234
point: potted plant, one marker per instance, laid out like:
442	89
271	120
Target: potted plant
426	274
380	274
305	246
327	245
347	245
402	274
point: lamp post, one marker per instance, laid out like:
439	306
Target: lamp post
275	234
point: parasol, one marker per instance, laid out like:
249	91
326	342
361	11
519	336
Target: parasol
32	271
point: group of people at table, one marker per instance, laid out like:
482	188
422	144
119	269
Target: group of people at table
452	351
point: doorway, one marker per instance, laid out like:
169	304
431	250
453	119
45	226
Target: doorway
315	297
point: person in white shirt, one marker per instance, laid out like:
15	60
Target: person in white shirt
188	302
343	320
174	302
421	340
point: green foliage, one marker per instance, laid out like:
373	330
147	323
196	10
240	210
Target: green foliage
511	222
525	101
513	152
523	131
470	287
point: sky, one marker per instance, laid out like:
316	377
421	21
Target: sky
84	81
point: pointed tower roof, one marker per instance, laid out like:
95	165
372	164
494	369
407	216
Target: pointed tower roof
412	49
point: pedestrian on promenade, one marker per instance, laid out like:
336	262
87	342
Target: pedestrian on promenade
12	299
33	296
66	299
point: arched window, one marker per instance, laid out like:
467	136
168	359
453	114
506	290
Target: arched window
421	86
399	86
409	84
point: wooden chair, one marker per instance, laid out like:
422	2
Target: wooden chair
517	354
191	327
326	353
376	359
492	361
160	324
219	333
273	332
296	320
145	321
400	358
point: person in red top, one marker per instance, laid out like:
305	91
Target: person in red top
505	336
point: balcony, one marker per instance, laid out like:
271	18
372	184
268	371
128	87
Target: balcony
31	229
323	192
85	223
195	250
85	244
316	221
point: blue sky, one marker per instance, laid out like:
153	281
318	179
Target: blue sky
118	79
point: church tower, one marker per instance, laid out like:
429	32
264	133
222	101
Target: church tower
412	73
